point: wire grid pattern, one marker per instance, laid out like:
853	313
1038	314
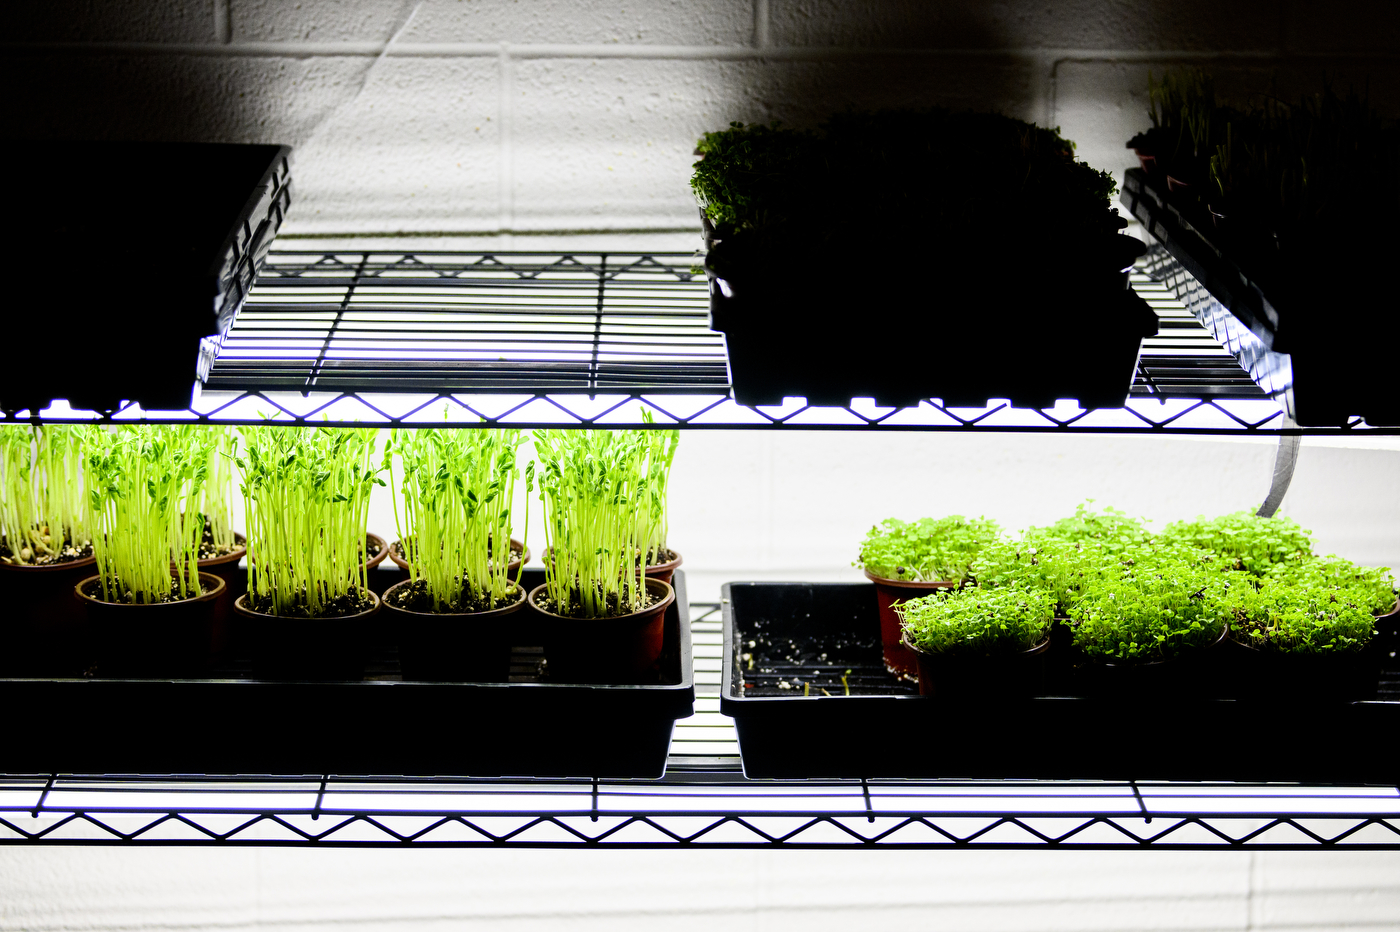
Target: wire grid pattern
703	801
604	340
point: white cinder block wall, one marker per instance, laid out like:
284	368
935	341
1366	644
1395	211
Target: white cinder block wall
525	123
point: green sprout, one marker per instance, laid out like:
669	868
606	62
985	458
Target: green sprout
216	501
978	622
604	517
144	484
306	497
1245	541
1304	615
1370	586
42	500
926	550
458	485
1151	616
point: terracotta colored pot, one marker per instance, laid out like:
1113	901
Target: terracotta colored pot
624	649
166	639
383	550
1187	675
306	648
41	626
468	647
235	584
899	659
962	678
664	571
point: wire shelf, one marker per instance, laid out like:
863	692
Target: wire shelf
703	801
602	339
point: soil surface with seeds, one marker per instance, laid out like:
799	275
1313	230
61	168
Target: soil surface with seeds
65	554
415	597
342	607
648	599
94	589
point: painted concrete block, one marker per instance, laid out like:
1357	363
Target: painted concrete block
666	22
1025	24
316	20
119	21
416	146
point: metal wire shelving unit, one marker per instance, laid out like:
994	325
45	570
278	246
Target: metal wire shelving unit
531	340
419	338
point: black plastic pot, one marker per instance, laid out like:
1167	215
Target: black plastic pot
1339	359
964	678
306	648
1190	675
164	639
624	649
235	584
42	629
453	648
987	321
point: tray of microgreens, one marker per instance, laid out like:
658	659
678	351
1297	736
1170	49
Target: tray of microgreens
1279	207
904	211
1092	647
313	679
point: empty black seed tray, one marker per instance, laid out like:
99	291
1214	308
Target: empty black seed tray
377	726
804	681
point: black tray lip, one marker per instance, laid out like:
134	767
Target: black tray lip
736	704
1202	258
682	694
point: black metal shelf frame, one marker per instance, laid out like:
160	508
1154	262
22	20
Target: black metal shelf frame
702	801
557	339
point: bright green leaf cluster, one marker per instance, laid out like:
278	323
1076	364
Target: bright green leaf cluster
973	621
457	490
42	499
145	483
1371	586
306	497
216	500
1151	616
926	550
1245	541
1304	615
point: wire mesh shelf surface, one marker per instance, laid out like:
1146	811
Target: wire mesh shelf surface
602	340
702	802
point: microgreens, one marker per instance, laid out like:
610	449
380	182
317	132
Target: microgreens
42	503
306	497
926	550
1370	586
1304	615
458	485
143	481
216	502
1245	541
978	621
1151	616
602	512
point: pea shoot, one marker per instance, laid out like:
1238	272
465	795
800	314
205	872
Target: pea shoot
42	502
458	485
306	496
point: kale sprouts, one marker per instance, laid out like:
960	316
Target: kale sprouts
926	550
975	621
1298	616
1151	616
1245	541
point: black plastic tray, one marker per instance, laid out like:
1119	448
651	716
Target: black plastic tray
1339	355
378	726
884	729
134	259
1031	329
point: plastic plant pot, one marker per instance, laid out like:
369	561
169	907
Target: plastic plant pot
42	630
982	679
464	647
519	556
1274	676
306	648
235	584
664	571
899	659
1189	675
162	639
623	649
